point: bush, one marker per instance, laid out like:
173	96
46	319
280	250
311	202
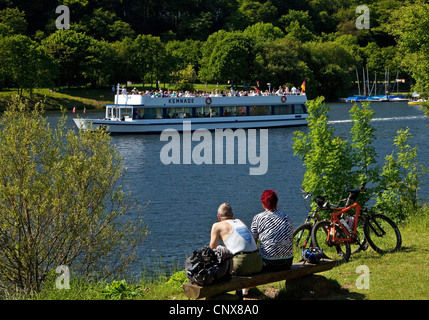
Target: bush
60	202
334	165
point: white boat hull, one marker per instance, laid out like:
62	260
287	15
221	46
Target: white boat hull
143	114
159	125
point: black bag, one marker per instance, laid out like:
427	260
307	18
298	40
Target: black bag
312	255
205	267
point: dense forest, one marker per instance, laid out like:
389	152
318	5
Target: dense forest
165	42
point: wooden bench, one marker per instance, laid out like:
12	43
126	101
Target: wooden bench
297	270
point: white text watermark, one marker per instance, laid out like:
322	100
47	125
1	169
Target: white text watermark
63	280
362	282
63	21
362	22
179	149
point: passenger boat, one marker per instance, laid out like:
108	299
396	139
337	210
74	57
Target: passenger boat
147	114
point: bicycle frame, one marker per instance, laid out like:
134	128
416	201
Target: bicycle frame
335	220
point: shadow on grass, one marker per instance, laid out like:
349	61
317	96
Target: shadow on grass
313	287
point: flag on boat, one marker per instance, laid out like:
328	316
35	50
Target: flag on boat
303	87
74	109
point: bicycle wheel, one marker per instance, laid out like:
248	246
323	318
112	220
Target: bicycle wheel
301	240
319	238
382	234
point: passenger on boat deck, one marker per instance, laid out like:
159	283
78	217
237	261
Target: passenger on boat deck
233	93
237	238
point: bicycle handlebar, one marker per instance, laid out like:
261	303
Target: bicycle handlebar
321	201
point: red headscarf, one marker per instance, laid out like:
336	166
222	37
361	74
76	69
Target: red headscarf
269	199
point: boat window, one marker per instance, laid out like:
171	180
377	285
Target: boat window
300	108
284	109
234	111
260	111
202	112
126	113
119	113
148	113
179	113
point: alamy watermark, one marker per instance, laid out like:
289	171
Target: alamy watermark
63	280
362	22
63	21
362	282
179	149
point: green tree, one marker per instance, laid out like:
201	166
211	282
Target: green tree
184	53
12	21
298	25
207	48
410	26
123	70
363	137
100	63
262	32
401	178
147	56
105	25
333	67
328	159
250	12
333	164
69	49
61	202
281	64
25	63
232	59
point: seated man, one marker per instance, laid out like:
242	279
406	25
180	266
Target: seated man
273	229
237	239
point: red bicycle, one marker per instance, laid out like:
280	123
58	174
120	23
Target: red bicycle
357	226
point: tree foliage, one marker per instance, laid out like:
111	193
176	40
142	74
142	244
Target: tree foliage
25	63
335	165
328	159
410	26
106	42
61	202
401	178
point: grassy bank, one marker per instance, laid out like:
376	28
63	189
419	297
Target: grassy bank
81	97
63	97
398	276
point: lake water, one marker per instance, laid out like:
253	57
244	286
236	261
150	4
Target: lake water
183	199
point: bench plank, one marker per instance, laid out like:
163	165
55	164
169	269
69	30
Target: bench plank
297	270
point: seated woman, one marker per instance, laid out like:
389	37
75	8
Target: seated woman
273	228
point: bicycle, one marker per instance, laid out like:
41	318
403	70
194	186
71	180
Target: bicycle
302	234
381	233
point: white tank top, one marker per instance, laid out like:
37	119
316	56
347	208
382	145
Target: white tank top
240	239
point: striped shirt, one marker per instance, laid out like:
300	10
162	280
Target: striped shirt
274	230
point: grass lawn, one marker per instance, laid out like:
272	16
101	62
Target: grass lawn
398	276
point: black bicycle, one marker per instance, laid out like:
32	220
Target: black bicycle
302	234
